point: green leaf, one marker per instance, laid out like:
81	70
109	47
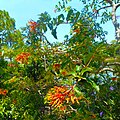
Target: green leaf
94	85
61	17
73	73
65	63
76	89
50	26
69	15
1	71
77	15
78	68
110	59
54	33
86	69
44	28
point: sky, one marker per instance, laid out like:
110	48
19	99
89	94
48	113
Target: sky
24	10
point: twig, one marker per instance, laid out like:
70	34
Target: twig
45	62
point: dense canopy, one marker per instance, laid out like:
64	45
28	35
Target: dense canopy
78	79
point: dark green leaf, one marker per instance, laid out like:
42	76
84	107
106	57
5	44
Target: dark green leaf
69	15
50	26
54	33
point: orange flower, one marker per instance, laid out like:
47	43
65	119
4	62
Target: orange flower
63	108
14	101
67	54
32	25
22	58
0	53
11	65
56	66
12	81
77	30
0	91
93	116
3	92
64	73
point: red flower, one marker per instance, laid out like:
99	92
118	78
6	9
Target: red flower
5	92
114	78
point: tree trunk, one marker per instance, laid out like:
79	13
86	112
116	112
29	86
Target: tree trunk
115	22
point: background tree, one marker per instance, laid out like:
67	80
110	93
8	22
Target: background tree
106	9
111	14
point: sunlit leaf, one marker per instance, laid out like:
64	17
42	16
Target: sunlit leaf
76	89
86	69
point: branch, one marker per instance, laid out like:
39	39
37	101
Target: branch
114	14
109	1
115	22
72	108
115	63
106	69
117	5
96	11
104	7
45	63
42	35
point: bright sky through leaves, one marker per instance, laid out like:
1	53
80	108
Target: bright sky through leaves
24	10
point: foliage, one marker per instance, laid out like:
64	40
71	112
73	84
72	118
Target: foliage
76	79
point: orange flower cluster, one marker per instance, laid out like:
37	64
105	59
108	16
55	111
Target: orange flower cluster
3	92
32	25
61	95
22	58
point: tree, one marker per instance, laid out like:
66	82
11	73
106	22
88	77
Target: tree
114	4
75	79
99	8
